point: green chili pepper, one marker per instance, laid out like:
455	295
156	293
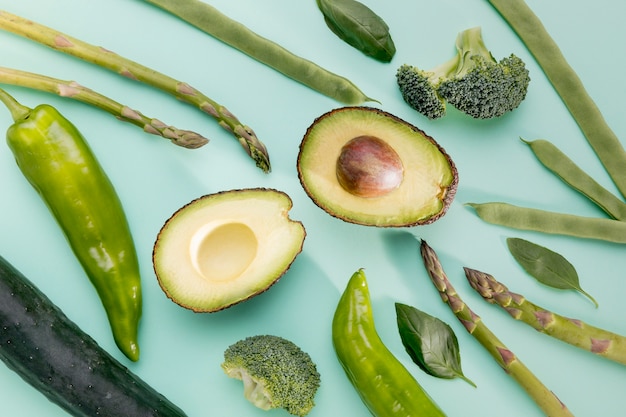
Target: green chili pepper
386	387
57	161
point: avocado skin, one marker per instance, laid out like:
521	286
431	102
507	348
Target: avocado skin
365	219
50	352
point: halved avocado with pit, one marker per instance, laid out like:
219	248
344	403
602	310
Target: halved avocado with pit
224	248
366	166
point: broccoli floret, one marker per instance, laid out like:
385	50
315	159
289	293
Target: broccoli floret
419	88
473	81
275	372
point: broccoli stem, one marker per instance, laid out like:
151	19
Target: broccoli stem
71	89
133	70
568	86
508	361
575	332
470	43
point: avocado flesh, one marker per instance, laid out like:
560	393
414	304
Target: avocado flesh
224	248
429	179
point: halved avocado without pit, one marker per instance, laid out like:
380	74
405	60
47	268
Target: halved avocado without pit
366	166
224	248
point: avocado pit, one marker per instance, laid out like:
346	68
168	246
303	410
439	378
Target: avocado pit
368	167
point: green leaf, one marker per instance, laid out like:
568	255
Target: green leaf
359	26
430	343
546	266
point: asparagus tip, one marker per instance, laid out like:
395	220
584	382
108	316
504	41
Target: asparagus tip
253	146
185	138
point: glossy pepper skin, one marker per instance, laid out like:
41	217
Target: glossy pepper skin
57	161
383	383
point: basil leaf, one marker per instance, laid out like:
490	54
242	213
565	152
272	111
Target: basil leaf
430	343
546	266
359	26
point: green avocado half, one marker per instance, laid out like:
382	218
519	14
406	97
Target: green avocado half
366	166
224	248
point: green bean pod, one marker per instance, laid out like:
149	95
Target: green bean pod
214	23
57	161
568	85
386	387
544	221
563	167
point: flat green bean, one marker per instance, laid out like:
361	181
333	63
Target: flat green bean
213	22
570	173
568	85
523	218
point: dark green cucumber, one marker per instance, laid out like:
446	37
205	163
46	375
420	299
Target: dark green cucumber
50	352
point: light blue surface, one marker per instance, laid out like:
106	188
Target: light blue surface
182	351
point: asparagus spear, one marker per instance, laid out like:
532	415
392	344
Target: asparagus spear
508	361
133	70
575	332
72	89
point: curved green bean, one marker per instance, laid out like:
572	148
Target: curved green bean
568	85
211	21
570	173
537	220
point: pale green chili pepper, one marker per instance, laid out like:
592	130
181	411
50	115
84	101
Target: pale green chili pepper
386	387
57	161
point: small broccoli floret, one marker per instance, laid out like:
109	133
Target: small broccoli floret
419	88
275	372
473	82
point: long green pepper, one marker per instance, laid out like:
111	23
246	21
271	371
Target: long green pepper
386	387
57	161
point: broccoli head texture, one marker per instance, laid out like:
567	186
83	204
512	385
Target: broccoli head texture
420	88
275	373
420	92
473	81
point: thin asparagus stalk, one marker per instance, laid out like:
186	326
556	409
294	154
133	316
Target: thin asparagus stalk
133	70
71	89
508	361
575	332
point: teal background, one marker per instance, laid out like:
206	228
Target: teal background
182	351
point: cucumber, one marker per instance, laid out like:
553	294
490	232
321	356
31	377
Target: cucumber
51	353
